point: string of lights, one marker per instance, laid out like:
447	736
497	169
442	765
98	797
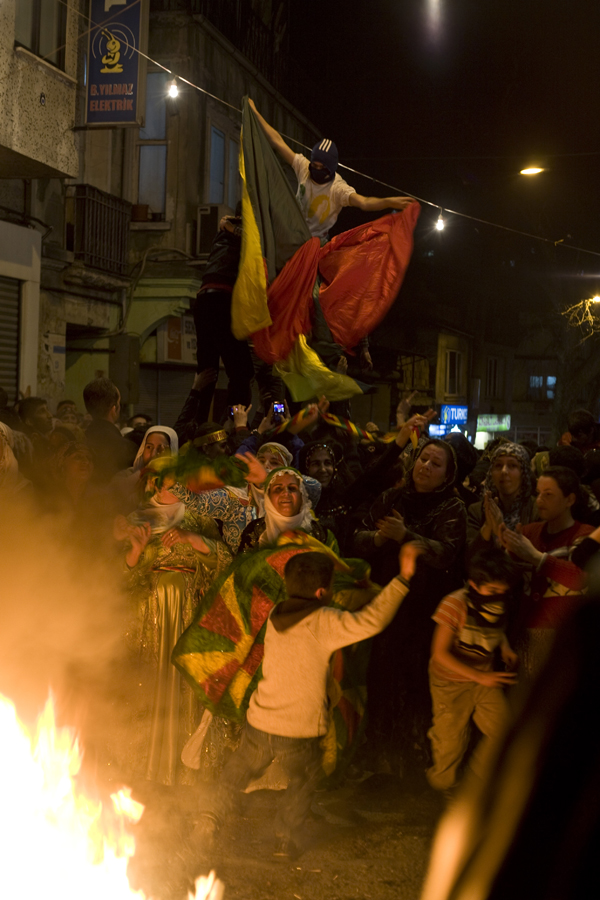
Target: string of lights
440	222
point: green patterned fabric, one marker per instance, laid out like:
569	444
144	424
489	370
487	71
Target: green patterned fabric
221	652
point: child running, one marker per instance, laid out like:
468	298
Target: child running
470	626
288	712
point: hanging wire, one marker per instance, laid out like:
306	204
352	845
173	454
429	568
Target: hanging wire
454	212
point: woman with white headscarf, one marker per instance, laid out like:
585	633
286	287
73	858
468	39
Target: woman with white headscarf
157	441
287	508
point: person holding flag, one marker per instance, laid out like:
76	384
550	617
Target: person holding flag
322	192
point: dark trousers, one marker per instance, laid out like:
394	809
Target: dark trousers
214	340
300	759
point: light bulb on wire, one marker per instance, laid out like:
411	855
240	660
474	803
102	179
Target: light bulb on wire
173	89
440	222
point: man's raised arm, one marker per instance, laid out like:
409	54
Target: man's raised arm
374	204
273	137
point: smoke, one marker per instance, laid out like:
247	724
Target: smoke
63	615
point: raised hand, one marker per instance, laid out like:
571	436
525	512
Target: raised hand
257	474
409	554
240	415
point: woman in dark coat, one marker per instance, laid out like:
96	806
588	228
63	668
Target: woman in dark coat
425	509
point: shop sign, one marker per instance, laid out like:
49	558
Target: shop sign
454	415
489	422
115	66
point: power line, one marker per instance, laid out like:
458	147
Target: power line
535	237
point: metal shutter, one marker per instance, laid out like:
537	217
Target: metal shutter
9	336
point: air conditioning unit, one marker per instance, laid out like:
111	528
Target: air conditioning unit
207	225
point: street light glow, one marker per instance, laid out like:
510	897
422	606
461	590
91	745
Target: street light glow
173	89
440	222
596	299
532	170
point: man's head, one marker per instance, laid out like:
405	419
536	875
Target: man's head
102	400
35	414
491	572
66	411
323	161
211	439
310	576
140	422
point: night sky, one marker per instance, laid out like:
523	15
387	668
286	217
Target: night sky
448	99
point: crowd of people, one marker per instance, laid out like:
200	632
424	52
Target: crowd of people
285	549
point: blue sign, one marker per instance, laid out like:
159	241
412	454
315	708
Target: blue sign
114	63
454	415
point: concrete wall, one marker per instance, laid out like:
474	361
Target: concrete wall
36	136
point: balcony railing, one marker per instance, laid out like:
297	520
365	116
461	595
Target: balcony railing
98	230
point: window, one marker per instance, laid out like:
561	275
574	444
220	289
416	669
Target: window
152	180
41	26
224	180
233	185
453	372
541	387
216	189
494	378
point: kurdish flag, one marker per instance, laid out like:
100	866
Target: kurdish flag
221	652
356	276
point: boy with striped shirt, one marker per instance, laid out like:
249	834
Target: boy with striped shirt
470	626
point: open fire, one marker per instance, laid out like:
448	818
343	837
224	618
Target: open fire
54	841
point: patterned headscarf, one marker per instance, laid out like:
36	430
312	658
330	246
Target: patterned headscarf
275	522
284	457
513	516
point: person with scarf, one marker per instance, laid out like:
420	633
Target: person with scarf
341	493
322	192
272	455
470	627
507	497
125	486
426	509
172	556
287	507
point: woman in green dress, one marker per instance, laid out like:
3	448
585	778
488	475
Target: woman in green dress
172	557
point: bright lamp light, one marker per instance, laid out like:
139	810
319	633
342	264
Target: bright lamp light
532	170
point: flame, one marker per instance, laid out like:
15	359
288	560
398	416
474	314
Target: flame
54	841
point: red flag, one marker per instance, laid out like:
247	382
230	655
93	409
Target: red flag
362	271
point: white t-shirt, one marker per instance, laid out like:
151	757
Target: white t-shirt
320	203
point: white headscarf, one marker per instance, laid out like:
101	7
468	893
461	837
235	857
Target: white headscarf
277	450
162	429
275	522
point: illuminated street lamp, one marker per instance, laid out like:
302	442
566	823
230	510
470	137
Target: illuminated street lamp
532	170
173	89
440	222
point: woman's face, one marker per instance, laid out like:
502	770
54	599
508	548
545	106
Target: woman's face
506	476
269	459
429	472
284	494
550	500
321	466
156	444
